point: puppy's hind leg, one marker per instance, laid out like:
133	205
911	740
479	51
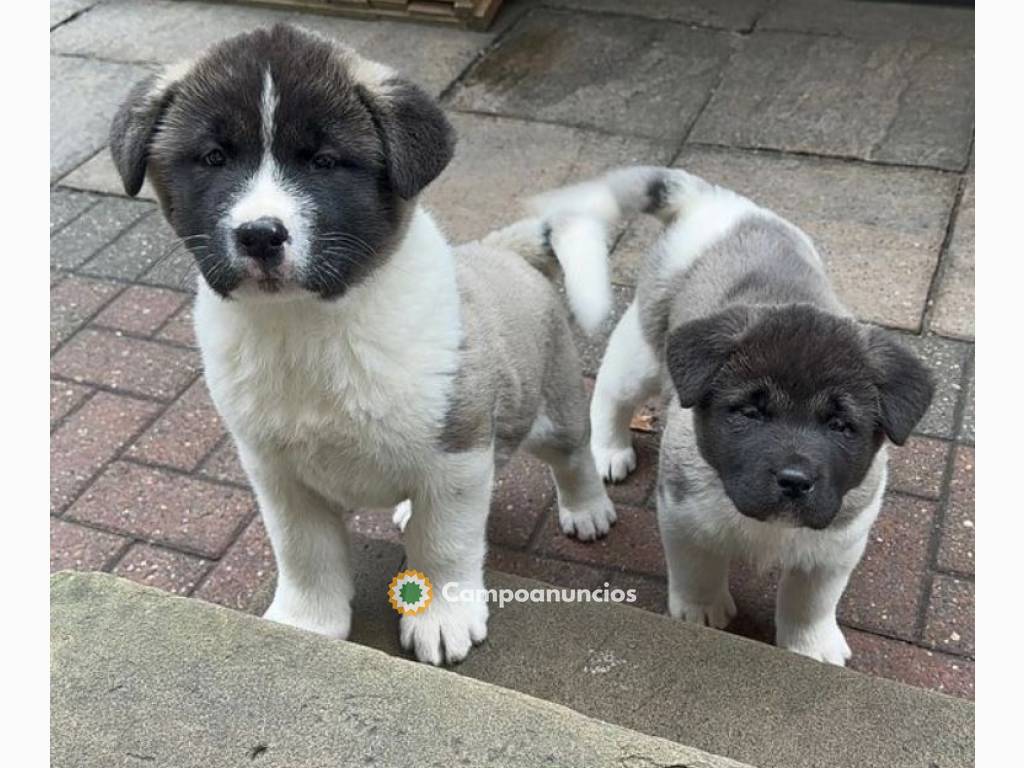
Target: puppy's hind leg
628	376
560	436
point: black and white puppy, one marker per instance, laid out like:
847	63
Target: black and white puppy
358	360
779	403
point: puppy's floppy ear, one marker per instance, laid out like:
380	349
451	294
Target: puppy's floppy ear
697	349
418	139
905	386
133	128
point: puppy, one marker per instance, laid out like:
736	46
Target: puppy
357	359
778	402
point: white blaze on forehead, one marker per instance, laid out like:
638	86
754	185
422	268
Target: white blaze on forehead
268	193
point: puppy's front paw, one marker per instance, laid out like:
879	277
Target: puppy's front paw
588	522
400	517
821	642
335	625
614	464
717	613
445	631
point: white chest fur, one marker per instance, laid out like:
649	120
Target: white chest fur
351	392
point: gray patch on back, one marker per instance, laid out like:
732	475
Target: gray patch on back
761	260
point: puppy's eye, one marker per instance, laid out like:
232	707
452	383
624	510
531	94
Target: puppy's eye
753	412
842	426
324	161
214	158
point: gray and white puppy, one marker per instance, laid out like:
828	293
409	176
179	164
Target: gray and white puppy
779	403
357	359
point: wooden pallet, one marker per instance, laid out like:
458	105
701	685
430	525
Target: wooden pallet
477	14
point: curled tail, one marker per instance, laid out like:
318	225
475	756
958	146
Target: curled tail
572	229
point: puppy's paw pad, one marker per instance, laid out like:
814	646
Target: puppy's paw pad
400	517
590	522
826	644
716	614
614	464
445	632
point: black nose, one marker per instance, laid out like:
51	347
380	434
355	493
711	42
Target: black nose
795	482
261	239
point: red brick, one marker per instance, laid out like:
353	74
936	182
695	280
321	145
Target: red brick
896	660
633	544
73	301
165	508
557	572
522	493
64	397
184	434
918	466
89	438
180	328
950	622
83	549
135	366
637	489
224	465
754	592
141	310
244	569
164	569
956	548
887	587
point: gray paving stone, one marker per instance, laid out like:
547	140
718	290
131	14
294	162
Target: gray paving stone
727	14
97	174
84	95
642	77
967	427
903	102
880	230
500	162
953	314
84	236
66	205
162	31
176	271
873	20
135	251
62	10
946	360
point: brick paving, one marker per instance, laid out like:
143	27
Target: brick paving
853	119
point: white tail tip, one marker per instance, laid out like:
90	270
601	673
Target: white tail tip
581	245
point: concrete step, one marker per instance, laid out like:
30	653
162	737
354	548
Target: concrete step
140	677
715	691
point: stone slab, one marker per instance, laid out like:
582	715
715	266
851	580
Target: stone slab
62	10
880	230
84	95
873	20
643	78
97	174
953	314
719	692
946	360
164	31
500	162
737	15
908	102
210	686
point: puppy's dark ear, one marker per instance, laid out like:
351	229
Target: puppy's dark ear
697	349
418	139
905	386
133	128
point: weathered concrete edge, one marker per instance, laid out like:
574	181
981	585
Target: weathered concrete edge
74	595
